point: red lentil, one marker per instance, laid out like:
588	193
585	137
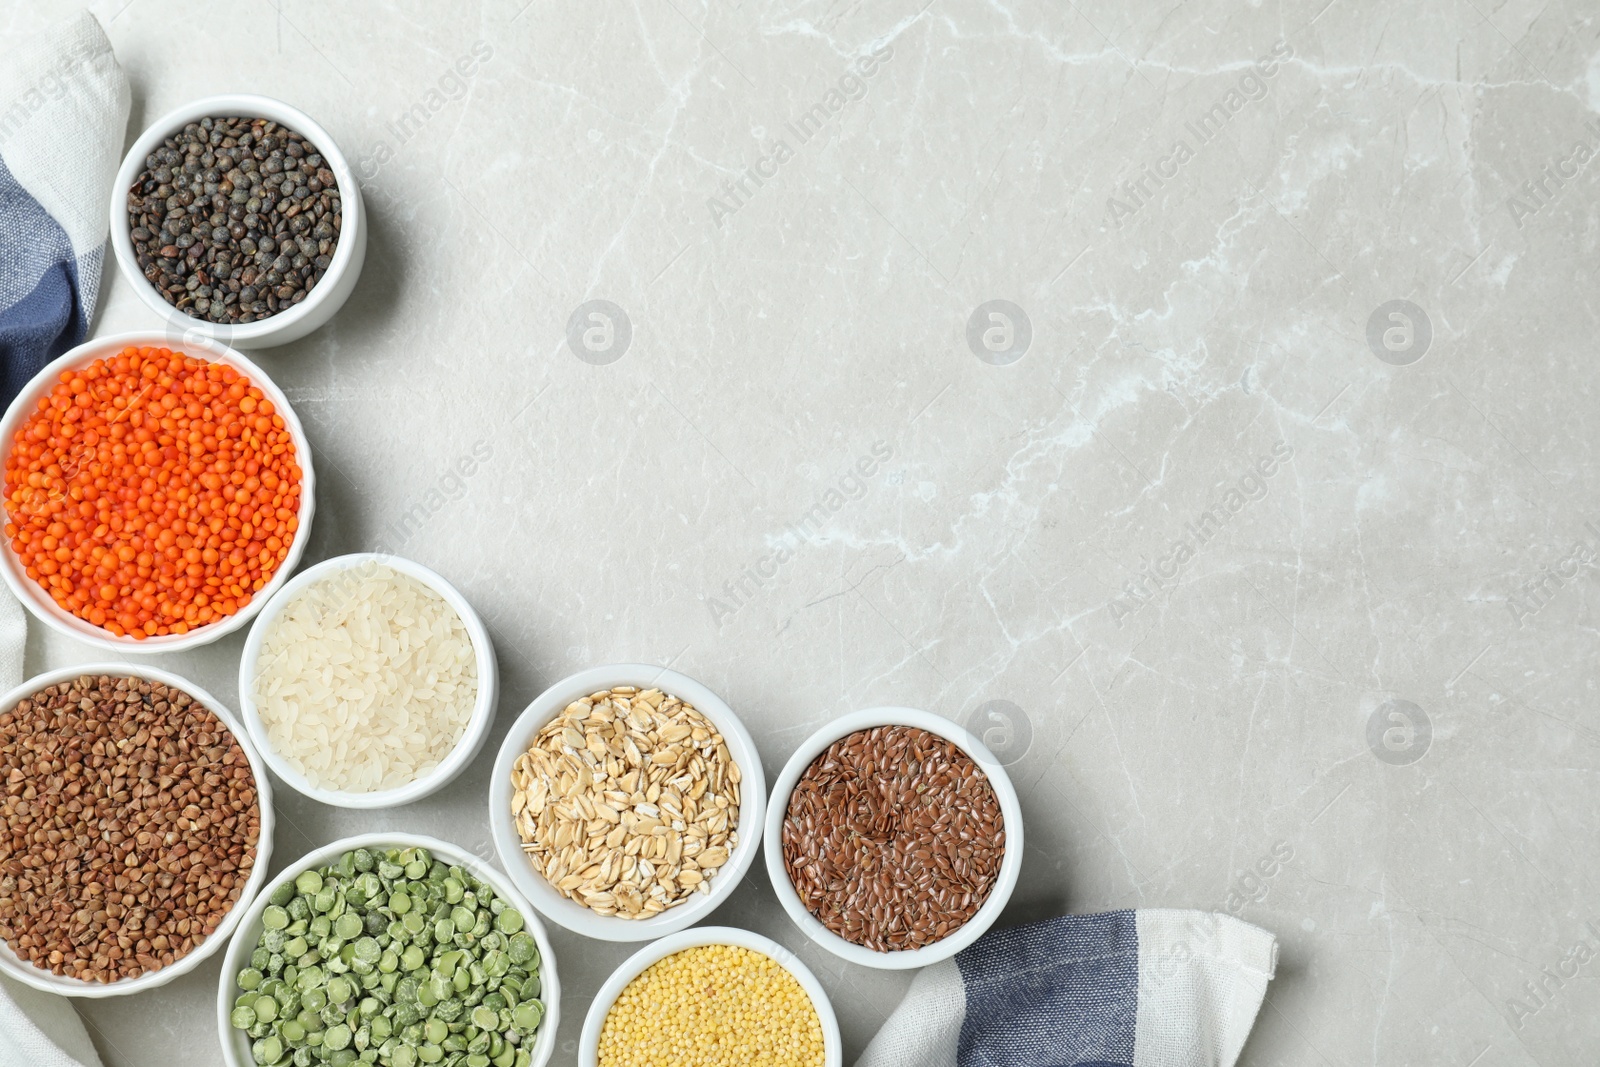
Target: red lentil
152	492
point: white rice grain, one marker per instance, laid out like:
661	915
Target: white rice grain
366	680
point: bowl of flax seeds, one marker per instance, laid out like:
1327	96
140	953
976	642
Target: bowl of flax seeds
894	838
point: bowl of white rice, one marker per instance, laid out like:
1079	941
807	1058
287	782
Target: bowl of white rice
368	681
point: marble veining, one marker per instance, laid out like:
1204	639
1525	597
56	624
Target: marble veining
1196	398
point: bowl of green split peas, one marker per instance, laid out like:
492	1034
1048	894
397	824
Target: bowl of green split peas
388	948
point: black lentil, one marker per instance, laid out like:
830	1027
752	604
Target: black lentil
234	219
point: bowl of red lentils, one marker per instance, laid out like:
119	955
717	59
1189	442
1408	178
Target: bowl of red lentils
156	492
893	838
135	828
711	996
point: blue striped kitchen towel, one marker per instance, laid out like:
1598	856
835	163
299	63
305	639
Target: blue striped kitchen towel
63	116
1148	988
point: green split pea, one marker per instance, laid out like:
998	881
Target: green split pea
390	958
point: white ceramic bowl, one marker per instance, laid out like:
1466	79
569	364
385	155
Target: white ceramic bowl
570	914
40	603
1010	863
14	967
349	254
589	1042
236	1043
477	725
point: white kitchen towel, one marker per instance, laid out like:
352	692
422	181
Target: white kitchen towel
36	1029
41	1030
63	116
13	639
1148	988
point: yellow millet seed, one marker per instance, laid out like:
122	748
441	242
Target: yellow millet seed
713	1006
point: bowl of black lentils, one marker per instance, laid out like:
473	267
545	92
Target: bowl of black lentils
236	217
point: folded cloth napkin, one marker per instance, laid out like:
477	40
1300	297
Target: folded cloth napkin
63	114
41	1030
1149	988
36	1029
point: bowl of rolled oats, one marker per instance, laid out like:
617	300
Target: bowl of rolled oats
627	802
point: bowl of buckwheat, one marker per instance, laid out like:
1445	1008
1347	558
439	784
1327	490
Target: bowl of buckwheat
138	820
627	802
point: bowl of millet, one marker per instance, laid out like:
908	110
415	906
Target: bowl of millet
711	996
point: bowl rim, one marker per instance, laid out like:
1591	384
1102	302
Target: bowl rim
634	965
752	802
544	1044
14	966
40	604
1010	862
226	105
478	723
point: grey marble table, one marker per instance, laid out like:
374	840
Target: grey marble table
1265	500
